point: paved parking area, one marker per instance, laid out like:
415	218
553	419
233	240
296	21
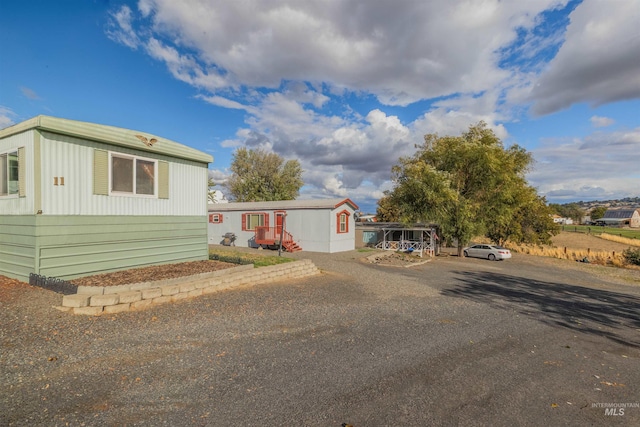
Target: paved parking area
451	342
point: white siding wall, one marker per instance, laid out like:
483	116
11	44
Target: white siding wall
310	229
340	242
71	158
313	229
20	205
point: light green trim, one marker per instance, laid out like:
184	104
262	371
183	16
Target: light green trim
22	172
163	180
110	135
37	172
101	172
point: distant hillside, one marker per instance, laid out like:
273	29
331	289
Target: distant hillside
617	203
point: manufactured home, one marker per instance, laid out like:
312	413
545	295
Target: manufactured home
80	198
323	225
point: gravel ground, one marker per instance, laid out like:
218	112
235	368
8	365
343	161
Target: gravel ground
527	341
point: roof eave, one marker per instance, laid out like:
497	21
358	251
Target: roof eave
109	135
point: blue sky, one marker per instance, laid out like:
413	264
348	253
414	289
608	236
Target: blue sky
345	87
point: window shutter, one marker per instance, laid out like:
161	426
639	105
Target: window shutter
244	222
163	180
220	216
266	220
22	173
101	172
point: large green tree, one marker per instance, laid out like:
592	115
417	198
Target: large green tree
569	210
471	185
598	212
387	210
261	176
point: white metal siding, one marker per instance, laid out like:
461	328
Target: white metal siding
340	242
313	229
20	205
72	159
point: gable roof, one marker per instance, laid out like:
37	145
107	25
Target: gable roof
282	204
109	135
619	213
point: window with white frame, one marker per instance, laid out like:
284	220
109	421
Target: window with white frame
133	175
342	225
9	173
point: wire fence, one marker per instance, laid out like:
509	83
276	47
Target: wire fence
597	230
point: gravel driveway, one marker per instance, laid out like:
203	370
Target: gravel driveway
451	342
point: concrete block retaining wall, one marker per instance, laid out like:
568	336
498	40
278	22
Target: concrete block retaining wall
94	300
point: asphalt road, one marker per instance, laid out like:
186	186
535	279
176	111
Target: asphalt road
452	342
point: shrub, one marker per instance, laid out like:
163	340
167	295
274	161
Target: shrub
230	259
632	256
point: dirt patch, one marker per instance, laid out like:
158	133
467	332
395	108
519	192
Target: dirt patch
8	287
155	272
396	259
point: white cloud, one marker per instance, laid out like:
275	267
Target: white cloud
218	176
186	68
289	65
453	116
600	166
401	54
599	61
600	122
120	28
225	102
7	117
29	93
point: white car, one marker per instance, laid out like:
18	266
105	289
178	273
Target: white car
490	252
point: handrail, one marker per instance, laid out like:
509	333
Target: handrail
264	232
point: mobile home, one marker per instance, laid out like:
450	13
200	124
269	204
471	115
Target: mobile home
80	198
321	225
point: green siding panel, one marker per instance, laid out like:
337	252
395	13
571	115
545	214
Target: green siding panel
17	246
74	246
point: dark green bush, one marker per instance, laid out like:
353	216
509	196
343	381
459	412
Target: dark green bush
230	259
632	256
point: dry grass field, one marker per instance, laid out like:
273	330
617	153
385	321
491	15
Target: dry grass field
581	241
578	246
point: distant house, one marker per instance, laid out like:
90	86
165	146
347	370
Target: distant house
557	219
80	198
621	217
367	218
323	225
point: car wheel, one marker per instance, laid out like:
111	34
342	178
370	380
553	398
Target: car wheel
492	257
465	253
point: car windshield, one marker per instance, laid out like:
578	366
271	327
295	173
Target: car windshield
499	247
